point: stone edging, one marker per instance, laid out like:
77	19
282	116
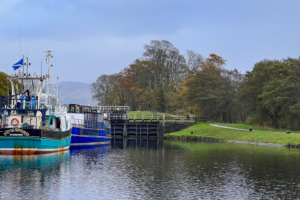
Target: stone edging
209	139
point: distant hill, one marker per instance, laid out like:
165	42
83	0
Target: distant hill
75	92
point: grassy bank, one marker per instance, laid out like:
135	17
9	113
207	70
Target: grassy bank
205	130
258	128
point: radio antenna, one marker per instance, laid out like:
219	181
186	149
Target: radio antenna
20	41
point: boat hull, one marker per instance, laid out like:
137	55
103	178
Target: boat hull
33	145
84	139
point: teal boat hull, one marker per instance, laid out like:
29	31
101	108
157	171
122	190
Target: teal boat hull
32	145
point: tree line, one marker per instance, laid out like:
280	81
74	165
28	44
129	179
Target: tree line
5	85
164	80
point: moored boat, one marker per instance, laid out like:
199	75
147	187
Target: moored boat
33	121
89	127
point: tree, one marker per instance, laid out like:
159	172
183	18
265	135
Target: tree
101	89
194	61
212	89
160	99
272	93
5	85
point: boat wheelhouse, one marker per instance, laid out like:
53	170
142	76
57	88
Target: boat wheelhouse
89	127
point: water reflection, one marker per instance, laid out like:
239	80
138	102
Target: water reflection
137	143
155	169
31	176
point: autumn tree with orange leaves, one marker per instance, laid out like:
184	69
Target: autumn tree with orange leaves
166	81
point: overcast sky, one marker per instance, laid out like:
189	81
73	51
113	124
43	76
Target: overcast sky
93	37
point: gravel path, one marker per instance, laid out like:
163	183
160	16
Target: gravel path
245	129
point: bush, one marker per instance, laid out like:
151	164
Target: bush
250	121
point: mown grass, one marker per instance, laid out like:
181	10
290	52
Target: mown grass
205	130
258	128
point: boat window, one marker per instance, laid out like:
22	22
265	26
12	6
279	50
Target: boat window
91	116
100	116
51	121
57	122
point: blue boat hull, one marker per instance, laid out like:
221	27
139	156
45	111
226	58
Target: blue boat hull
89	137
32	145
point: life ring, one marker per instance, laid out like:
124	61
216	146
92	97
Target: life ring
14	122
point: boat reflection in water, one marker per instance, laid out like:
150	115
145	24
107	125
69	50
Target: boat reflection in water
30	175
137	143
90	151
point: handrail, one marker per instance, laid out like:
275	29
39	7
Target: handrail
83	123
111	108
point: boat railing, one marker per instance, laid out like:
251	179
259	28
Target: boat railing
90	124
51	129
111	108
137	116
28	126
79	123
18	101
56	110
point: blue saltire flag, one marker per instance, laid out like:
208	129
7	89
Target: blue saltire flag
18	64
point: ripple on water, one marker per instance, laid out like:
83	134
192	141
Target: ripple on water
170	170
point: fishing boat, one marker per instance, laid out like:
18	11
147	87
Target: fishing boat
33	121
89	127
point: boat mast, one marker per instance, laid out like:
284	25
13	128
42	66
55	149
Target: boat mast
48	58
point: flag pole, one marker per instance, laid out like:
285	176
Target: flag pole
23	73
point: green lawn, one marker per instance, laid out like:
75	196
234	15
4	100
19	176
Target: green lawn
205	130
258	128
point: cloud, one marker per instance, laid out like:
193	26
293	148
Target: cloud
82	60
102	37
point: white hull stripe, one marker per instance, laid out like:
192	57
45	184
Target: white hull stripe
91	136
91	143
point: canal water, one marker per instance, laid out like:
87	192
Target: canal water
155	169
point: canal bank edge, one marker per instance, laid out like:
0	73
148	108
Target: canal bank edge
208	139
205	133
